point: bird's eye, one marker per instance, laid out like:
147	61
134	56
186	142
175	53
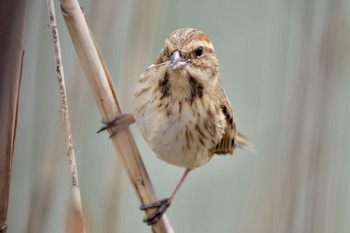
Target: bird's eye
199	51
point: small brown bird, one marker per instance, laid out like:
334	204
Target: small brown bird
182	110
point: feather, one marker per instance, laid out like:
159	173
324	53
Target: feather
231	138
228	141
244	143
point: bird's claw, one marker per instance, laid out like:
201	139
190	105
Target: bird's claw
161	205
119	123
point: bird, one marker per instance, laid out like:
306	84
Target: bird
182	110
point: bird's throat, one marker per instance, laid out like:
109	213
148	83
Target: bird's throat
179	84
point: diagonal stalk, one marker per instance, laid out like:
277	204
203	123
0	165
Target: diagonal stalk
107	101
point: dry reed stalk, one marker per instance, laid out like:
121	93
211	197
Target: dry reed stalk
12	16
76	202
107	101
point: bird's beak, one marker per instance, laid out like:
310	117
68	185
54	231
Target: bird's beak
175	58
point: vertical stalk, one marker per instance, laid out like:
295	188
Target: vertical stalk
78	224
12	15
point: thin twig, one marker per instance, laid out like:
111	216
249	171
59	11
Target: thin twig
77	206
107	101
12	22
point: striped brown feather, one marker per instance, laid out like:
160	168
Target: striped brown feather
228	142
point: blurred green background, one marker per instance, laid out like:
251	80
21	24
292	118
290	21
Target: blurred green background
285	66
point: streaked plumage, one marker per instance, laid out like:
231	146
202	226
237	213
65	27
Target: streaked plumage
182	109
180	105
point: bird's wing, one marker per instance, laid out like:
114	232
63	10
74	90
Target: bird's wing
231	137
227	144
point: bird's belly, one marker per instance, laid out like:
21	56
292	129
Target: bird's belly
179	137
170	144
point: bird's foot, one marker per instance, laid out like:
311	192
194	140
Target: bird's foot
161	205
119	123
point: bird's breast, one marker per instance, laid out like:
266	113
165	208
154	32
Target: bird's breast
181	131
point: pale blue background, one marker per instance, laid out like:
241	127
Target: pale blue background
285	68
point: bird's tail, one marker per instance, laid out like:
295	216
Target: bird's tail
244	143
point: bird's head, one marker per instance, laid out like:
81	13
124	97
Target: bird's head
190	51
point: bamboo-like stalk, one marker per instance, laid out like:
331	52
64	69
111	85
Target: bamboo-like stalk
12	16
107	101
76	202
